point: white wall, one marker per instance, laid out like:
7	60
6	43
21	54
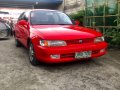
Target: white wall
72	6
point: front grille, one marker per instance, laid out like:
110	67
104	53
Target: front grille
71	55
80	41
95	51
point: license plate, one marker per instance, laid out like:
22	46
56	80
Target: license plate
85	54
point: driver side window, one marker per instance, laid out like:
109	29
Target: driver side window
21	16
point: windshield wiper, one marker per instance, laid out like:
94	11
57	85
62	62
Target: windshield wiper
64	24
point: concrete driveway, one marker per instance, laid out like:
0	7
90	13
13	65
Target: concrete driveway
16	73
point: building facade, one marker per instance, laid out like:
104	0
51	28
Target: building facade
72	6
68	6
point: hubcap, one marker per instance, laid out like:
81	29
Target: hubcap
31	53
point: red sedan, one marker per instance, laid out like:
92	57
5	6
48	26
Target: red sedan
52	37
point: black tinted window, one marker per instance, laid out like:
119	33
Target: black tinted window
21	16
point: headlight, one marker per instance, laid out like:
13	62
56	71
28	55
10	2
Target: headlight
99	39
52	43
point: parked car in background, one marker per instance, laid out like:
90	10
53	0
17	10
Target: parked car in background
4	30
52	37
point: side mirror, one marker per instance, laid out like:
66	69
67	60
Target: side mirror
77	22
24	23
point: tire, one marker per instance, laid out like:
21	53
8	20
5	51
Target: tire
17	43
32	57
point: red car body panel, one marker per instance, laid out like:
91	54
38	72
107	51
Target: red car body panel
68	33
50	32
68	53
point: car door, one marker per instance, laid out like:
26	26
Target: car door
24	29
18	28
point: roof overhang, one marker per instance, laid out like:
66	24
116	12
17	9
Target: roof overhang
30	3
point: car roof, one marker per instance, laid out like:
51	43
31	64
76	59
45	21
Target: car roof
44	10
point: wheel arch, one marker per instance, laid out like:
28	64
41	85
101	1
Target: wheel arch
28	42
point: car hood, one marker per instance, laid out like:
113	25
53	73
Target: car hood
59	32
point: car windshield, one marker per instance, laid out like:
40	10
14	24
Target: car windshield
49	18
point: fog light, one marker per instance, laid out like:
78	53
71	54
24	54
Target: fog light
102	50
55	56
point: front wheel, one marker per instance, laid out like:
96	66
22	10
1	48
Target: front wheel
17	43
32	57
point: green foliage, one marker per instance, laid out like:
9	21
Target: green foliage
99	11
78	16
116	39
113	34
113	37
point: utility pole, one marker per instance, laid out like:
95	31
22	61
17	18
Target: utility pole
36	3
64	5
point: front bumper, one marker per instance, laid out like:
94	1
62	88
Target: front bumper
67	53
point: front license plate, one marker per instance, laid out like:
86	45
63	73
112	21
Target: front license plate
85	54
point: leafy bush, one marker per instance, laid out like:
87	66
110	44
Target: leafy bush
113	37
114	34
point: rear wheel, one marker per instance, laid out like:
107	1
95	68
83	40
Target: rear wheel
32	57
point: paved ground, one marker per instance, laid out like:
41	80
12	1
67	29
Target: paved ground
16	73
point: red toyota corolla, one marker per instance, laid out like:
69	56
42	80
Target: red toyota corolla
52	37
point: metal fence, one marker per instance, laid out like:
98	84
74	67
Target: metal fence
102	14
